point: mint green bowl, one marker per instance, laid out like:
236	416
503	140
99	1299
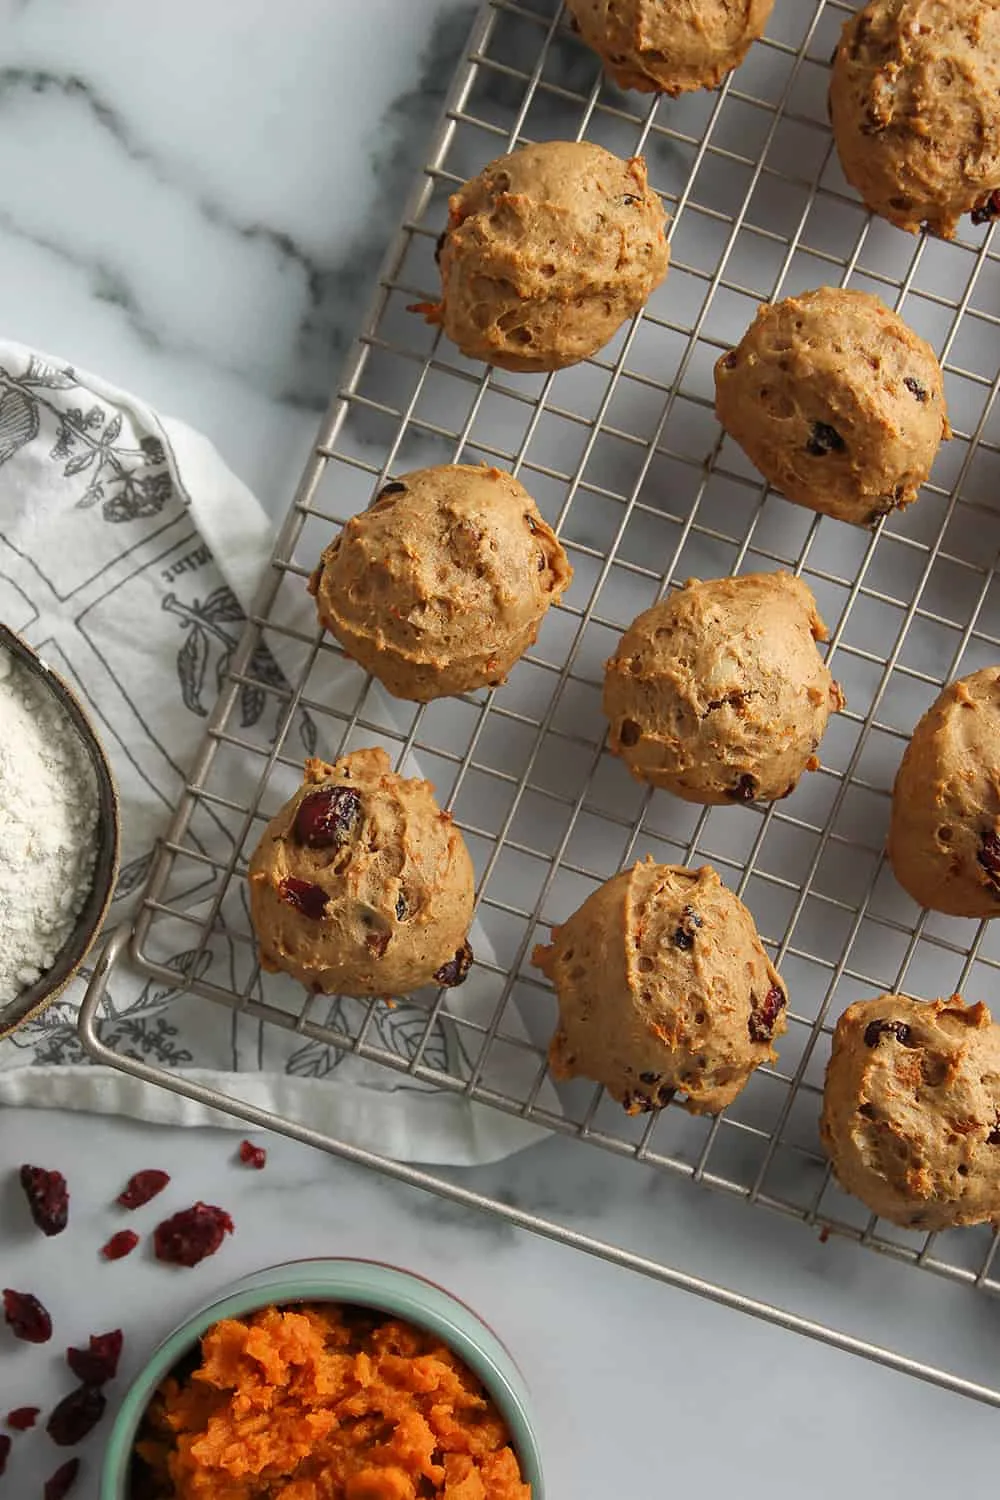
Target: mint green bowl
362	1283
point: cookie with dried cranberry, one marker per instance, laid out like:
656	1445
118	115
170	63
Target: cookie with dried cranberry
944	832
361	885
911	1110
663	988
547	252
836	401
915	109
718	692
669	46
442	584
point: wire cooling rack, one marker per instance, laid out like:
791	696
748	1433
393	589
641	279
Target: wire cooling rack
626	459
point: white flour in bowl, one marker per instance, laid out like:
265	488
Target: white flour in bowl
48	823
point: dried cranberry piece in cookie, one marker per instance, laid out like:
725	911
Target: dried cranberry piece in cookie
189	1237
876	1030
989	856
456	970
76	1416
327	819
824	439
764	1016
48	1198
26	1317
141	1187
307	898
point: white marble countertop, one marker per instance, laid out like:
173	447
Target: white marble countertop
194	199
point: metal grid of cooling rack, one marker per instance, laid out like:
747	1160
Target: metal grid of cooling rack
626	459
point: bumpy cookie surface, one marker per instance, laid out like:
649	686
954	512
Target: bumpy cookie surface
670	46
944	833
915	107
837	403
718	693
442	584
911	1110
663	987
547	252
361	885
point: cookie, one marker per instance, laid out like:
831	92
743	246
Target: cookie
669	46
663	988
944	832
441	585
837	403
915	109
361	885
547	253
718	693
911	1110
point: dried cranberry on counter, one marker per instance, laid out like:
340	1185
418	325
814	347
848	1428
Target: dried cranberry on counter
76	1416
22	1417
190	1236
120	1245
5	1447
253	1156
48	1198
141	1187
98	1364
62	1481
26	1317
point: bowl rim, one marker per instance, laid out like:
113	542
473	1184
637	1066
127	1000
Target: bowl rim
33	1000
343	1279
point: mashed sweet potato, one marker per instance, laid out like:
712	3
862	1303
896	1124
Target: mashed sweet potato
326	1403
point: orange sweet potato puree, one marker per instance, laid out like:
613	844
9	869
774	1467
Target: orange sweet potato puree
326	1403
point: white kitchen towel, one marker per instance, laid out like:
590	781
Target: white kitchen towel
128	553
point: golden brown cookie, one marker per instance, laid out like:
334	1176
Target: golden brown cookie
911	1110
441	585
915	108
663	988
718	693
670	46
944	833
547	252
837	403
361	885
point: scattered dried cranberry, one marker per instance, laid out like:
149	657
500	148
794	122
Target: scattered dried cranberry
763	1017
142	1187
253	1156
26	1317
745	790
191	1235
309	899
98	1364
989	855
915	388
875	1030
22	1417
326	819
5	1447
48	1198
76	1416
988	210
120	1245
62	1481
824	439
456	970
